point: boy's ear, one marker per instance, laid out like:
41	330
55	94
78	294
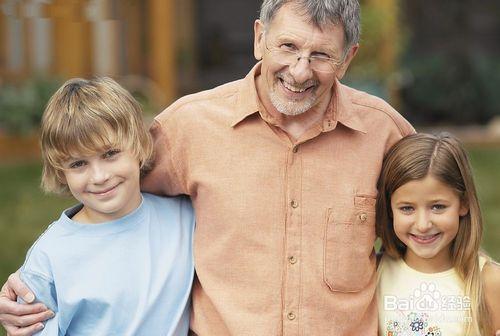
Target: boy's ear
62	178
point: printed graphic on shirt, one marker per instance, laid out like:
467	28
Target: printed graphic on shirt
416	324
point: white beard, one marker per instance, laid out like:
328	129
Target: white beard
290	107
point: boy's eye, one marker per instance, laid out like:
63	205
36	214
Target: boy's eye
438	207
76	164
111	153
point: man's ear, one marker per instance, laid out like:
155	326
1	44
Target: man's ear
258	42
349	57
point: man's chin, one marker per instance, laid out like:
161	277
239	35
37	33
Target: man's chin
290	109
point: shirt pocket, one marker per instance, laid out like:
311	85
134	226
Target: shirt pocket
349	261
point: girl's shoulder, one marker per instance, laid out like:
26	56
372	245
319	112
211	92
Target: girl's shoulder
491	276
491	281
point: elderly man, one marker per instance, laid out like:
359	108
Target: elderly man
282	168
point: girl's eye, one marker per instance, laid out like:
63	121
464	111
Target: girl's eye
406	209
76	164
111	153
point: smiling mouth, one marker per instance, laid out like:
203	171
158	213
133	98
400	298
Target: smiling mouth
427	239
105	191
293	88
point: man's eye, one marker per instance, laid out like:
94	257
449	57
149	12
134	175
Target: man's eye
321	56
76	164
288	47
111	153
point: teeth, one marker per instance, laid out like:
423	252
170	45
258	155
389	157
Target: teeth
291	88
426	237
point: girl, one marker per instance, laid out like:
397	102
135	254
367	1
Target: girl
432	278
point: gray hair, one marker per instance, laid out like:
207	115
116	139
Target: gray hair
321	12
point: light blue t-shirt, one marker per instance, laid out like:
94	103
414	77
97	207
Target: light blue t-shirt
131	276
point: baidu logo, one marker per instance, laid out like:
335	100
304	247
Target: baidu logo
426	298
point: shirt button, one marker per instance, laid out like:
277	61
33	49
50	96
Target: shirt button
294	204
291	316
292	260
363	217
295	149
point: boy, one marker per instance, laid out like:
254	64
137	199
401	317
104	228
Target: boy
120	262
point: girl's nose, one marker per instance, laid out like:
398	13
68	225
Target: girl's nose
423	222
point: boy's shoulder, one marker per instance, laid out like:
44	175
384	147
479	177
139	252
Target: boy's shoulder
175	201
54	230
47	245
169	204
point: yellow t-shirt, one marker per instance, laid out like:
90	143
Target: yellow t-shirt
413	303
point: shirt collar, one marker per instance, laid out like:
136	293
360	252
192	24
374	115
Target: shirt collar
247	102
341	108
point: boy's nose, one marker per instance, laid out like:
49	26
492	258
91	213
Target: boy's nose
99	174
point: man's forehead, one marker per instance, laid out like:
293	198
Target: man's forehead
330	36
299	10
291	16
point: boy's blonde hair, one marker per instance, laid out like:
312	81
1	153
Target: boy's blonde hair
89	116
443	157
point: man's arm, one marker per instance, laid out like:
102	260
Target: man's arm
21	319
166	176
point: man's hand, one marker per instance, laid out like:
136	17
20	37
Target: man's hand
21	319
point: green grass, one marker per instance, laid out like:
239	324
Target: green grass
25	211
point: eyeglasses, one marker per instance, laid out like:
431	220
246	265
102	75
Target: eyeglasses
288	54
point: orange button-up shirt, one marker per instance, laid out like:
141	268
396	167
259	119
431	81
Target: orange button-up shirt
285	229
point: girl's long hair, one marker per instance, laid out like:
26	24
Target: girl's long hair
443	157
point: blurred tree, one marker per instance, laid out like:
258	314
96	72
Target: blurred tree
21	106
452	64
382	40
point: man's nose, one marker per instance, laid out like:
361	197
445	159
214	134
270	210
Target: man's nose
301	71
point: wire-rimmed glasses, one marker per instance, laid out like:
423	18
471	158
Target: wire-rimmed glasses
288	54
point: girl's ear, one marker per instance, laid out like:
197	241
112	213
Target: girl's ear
464	208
